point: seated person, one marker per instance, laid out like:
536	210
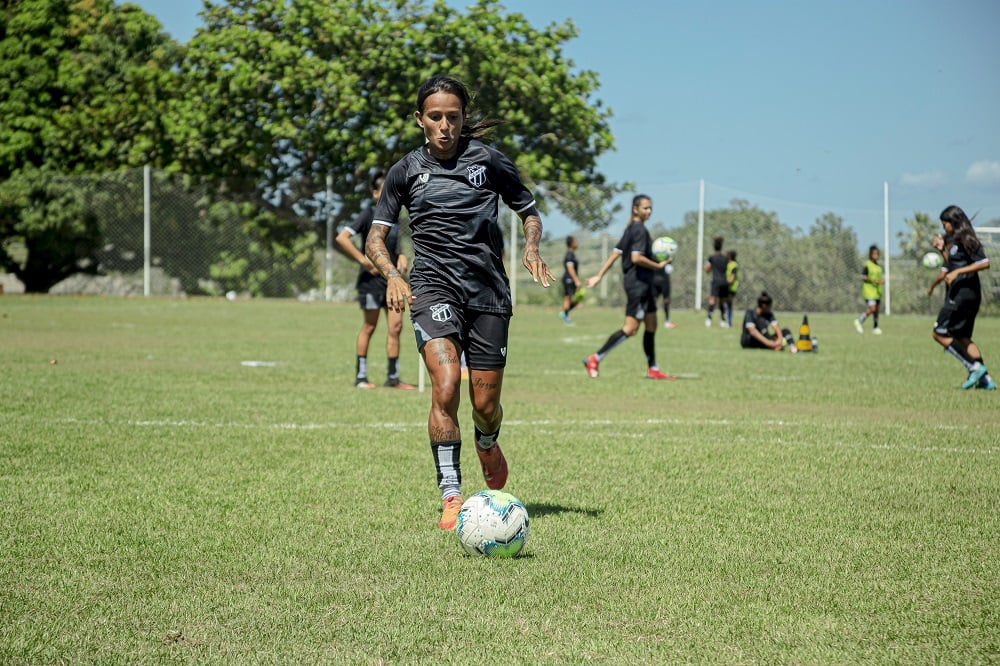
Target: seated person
762	331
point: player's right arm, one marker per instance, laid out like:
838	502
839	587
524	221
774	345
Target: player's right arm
397	291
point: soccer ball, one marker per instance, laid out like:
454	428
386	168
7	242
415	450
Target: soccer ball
932	260
492	523
579	294
664	247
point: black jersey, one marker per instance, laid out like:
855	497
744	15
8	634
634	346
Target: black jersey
958	257
760	321
360	226
636	239
718	262
453	207
570	260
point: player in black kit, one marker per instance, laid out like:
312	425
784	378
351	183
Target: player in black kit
371	294
458	295
964	258
638	264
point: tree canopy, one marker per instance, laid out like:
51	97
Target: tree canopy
269	100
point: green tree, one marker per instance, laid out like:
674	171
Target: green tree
916	240
82	89
280	96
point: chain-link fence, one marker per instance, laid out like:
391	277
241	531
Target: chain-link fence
161	235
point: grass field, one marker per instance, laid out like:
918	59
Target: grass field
163	502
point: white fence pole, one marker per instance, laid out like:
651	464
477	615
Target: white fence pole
329	238
885	244
146	229
700	254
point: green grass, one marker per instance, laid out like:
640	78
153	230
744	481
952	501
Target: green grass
162	502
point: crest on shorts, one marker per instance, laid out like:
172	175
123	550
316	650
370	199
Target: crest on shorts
477	175
440	312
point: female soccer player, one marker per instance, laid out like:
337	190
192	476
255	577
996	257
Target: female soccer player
638	264
571	280
460	299
964	258
872	285
371	294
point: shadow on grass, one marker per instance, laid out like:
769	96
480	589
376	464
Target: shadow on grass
542	509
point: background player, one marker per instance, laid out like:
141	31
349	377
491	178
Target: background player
718	290
636	250
570	280
964	258
371	293
872	284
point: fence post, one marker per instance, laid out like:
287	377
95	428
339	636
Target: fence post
146	224
328	277
700	256
885	246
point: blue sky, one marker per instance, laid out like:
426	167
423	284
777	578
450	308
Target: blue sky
801	107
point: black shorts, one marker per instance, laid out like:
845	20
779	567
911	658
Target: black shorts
371	299
481	335
569	288
720	291
661	284
641	300
957	317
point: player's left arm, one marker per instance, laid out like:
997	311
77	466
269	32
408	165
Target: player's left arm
974	267
531	224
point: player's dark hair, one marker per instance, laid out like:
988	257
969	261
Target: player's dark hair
569	241
443	83
764	299
635	202
962	230
639	197
732	255
377	179
717	243
873	248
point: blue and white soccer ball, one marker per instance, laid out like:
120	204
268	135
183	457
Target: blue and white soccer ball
664	247
932	260
492	523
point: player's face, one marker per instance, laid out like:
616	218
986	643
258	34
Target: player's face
442	119
642	210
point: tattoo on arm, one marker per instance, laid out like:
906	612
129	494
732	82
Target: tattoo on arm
378	253
532	226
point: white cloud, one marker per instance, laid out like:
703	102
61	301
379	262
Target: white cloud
930	180
984	173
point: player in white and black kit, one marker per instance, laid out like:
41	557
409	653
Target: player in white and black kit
371	293
458	295
964	258
636	251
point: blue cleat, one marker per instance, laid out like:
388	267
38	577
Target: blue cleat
974	377
987	384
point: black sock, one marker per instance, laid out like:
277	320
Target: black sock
649	346
616	339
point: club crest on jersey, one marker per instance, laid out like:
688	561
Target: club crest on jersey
477	175
424	177
440	312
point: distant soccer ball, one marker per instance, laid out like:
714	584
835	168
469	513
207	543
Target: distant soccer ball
664	247
932	260
579	294
492	523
